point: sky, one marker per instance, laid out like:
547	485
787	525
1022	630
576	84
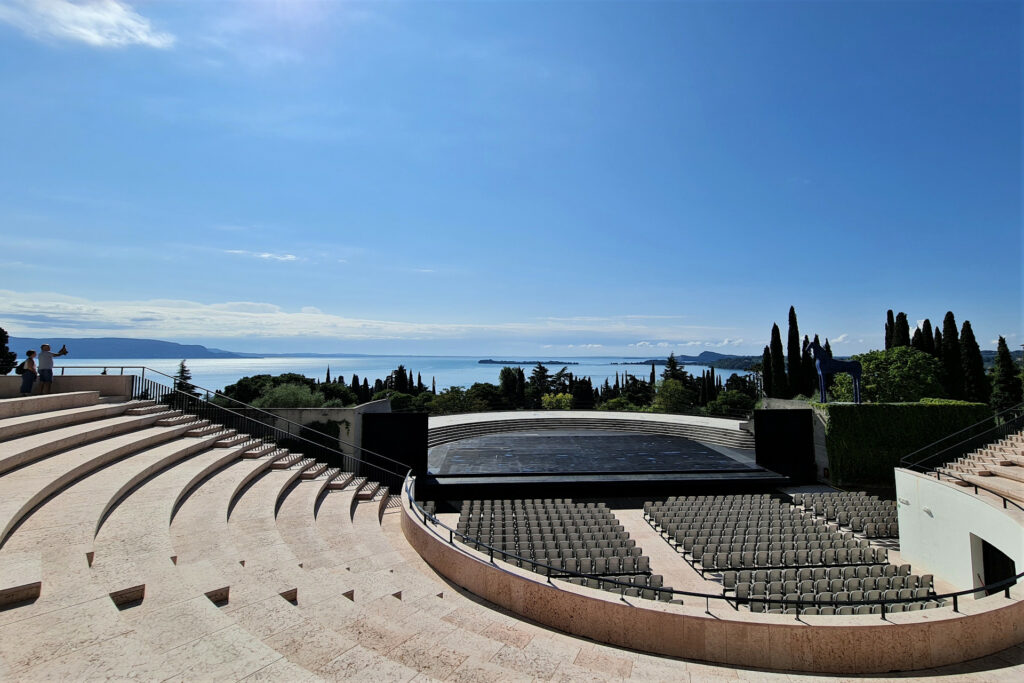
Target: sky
573	178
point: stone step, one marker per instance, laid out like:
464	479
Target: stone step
283	459
340	480
36	423
27	405
208	429
367	491
1014	490
147	409
260	450
315	470
233	439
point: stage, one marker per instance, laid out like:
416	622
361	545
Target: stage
588	463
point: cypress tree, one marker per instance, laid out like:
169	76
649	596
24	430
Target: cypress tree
810	374
654	377
917	341
766	372
327	380
794	373
938	344
951	363
1006	385
901	331
829	379
354	386
976	386
890	324
780	383
364	392
927	337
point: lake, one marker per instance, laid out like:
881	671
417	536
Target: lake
217	373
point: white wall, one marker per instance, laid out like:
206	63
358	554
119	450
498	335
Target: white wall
941	526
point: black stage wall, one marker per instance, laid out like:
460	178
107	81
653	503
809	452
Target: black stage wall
399	436
784	440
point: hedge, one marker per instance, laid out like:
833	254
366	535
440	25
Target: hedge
865	442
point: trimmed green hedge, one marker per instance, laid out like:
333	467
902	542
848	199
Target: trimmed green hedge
865	442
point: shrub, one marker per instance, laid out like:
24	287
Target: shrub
290	396
865	442
556	401
620	404
897	375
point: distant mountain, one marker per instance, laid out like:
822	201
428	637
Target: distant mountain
710	358
120	347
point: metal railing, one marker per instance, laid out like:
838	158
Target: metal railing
262	425
732	601
964	441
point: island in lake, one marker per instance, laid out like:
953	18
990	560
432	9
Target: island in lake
491	361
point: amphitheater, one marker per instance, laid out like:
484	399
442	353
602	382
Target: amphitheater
154	540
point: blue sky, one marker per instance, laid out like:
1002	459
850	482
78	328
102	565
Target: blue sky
508	177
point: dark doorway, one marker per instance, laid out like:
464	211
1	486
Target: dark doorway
995	566
397	436
785	443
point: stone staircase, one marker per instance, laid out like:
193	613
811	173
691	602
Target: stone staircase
998	466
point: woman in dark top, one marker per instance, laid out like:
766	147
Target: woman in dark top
28	378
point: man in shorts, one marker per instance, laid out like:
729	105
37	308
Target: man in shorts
45	364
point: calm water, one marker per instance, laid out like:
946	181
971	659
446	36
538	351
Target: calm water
217	373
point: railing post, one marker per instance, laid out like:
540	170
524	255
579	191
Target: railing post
956	603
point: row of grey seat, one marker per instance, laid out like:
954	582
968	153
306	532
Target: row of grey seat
838	585
716	560
857	510
560	536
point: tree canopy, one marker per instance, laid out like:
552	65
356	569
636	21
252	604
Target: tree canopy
900	374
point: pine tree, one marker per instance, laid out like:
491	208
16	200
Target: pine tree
766	372
183	380
7	357
794	373
890	325
927	337
976	386
780	383
951	363
901	331
672	369
1006	385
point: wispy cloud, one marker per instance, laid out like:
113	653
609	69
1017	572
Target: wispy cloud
265	255
53	313
841	339
99	23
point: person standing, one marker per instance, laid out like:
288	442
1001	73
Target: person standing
28	372
46	366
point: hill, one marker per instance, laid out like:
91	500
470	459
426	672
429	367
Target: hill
121	347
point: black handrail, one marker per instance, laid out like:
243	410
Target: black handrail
1002	424
732	601
240	406
204	408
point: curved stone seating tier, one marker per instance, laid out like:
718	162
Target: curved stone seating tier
188	558
712	430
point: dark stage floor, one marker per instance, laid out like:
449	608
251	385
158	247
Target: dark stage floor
581	452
